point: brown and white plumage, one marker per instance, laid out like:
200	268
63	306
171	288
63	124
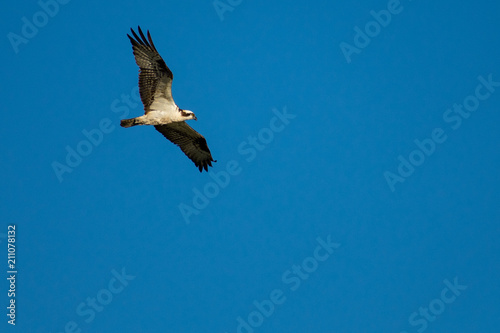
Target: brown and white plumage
155	88
192	143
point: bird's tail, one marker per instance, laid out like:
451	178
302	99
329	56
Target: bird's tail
129	122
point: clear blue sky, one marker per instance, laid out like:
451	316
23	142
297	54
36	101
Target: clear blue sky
357	182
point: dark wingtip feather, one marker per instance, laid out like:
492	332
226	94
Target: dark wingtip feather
134	34
151	41
144	40
138	40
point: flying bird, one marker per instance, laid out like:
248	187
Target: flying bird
155	88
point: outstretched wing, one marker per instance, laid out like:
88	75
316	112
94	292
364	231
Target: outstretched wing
192	143
155	78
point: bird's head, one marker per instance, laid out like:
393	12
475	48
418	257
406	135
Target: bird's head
188	114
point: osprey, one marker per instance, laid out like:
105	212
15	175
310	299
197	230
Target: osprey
155	88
